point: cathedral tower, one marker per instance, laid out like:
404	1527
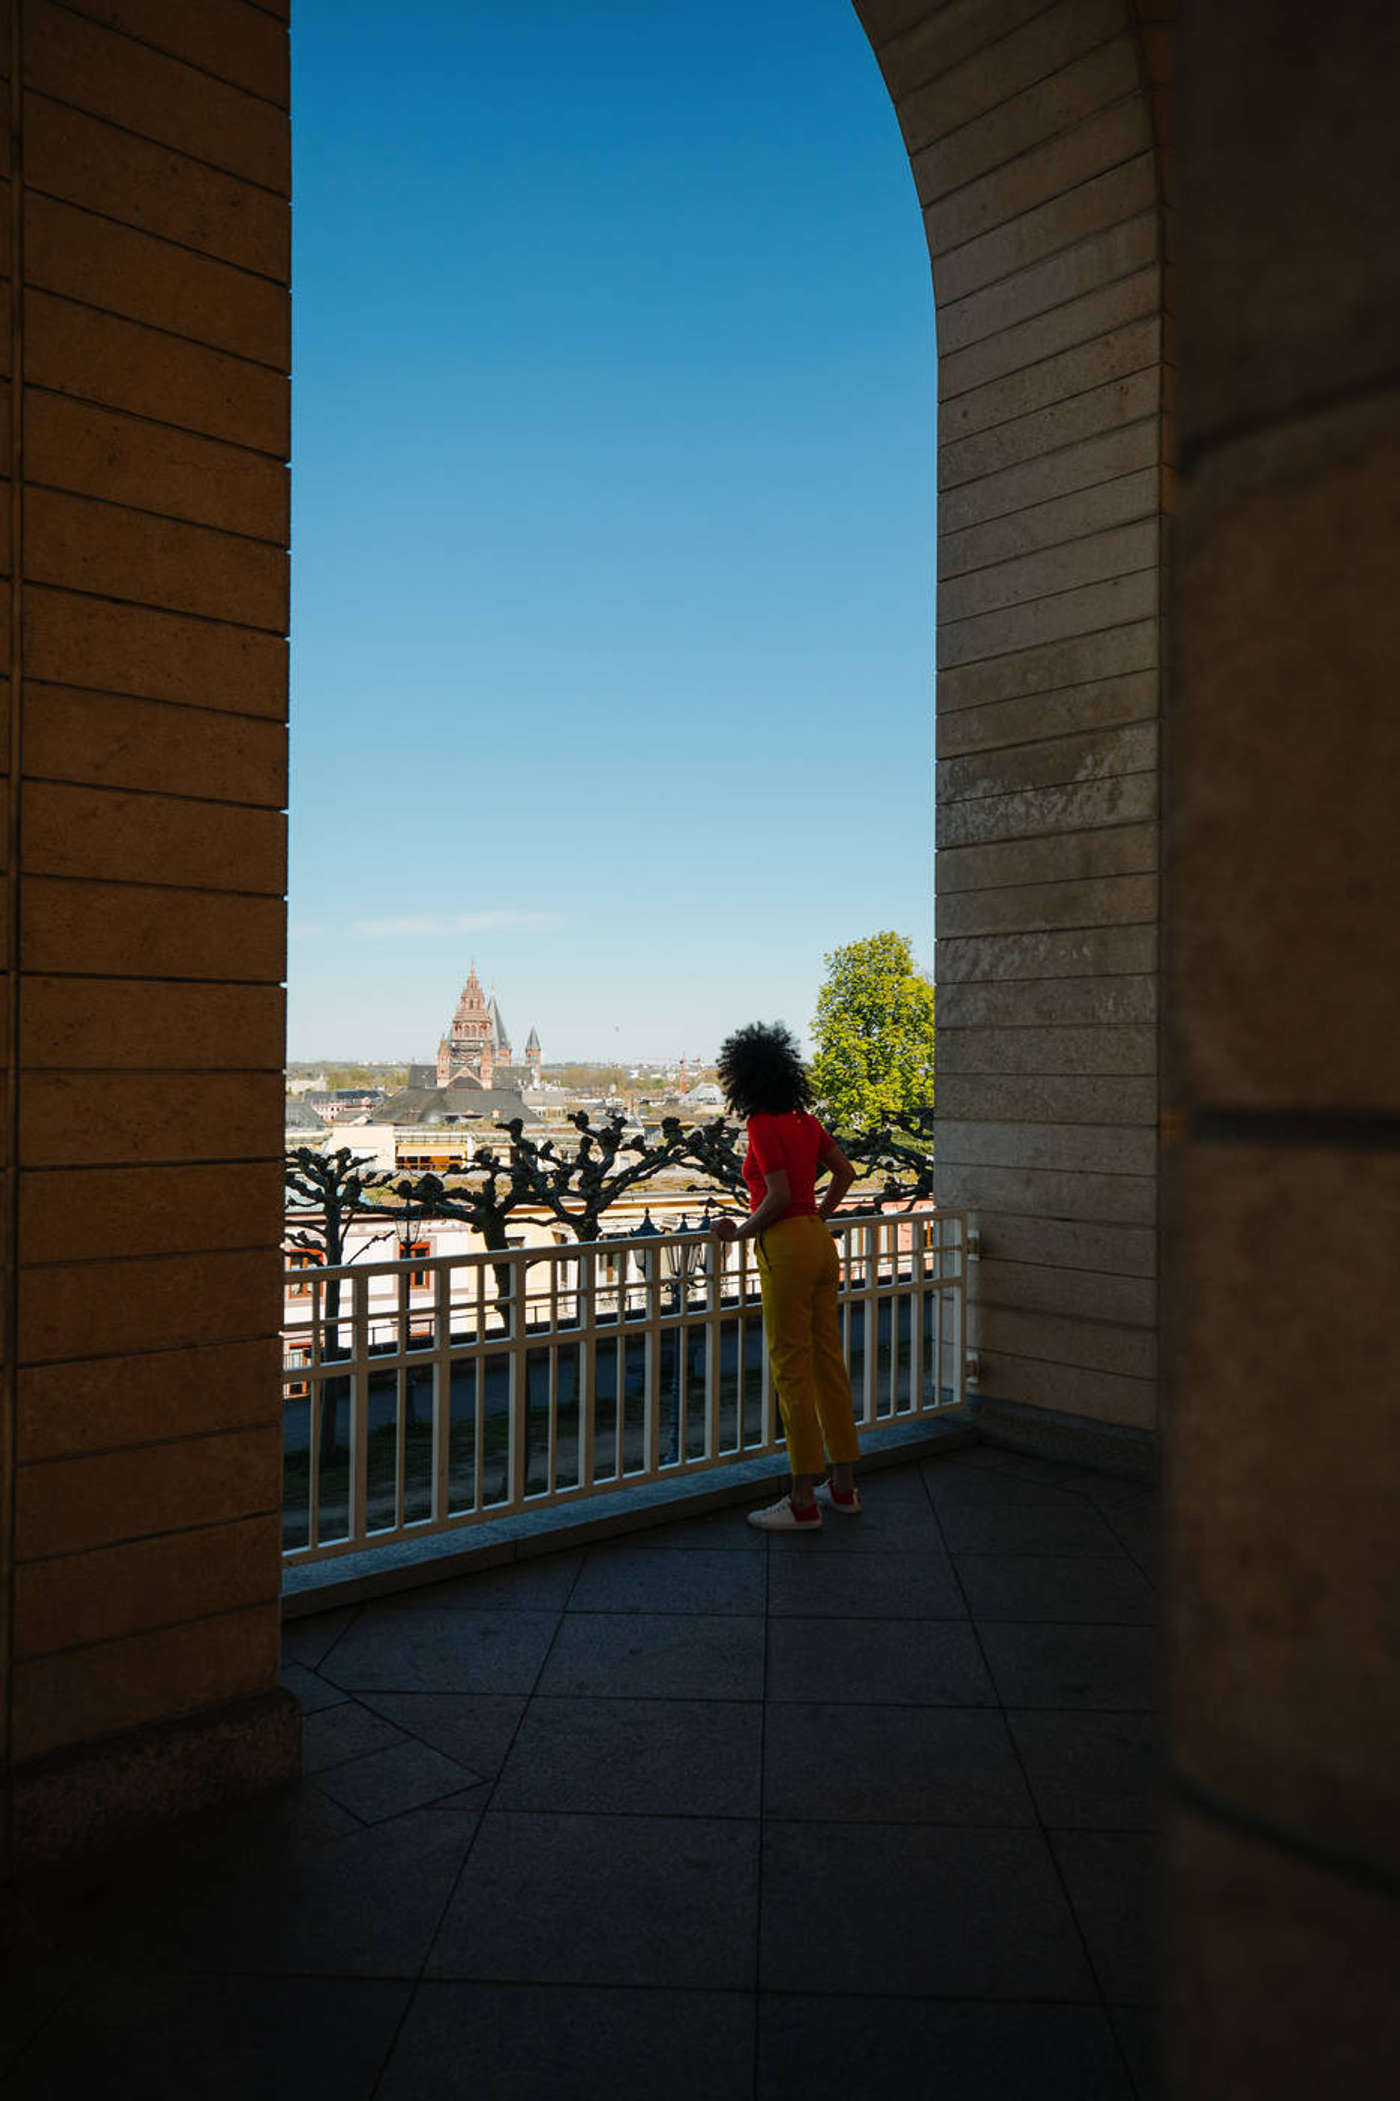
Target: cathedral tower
463	1053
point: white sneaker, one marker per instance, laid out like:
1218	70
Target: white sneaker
783	1517
823	1494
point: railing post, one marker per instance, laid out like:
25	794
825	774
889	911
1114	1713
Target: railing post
712	1257
316	1395
519	1386
871	1250
358	1407
442	1392
587	1373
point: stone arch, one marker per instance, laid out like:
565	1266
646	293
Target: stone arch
1035	137
148	221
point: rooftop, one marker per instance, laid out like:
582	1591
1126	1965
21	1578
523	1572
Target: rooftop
861	1814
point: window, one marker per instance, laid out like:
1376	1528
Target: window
297	1389
303	1258
416	1251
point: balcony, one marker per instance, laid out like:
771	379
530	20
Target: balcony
865	1813
440	1398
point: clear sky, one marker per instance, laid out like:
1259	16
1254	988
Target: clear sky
613	519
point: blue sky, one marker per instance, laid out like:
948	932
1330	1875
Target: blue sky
613	519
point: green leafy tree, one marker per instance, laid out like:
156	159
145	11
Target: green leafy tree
874	1035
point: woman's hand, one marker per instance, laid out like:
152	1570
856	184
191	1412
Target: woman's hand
724	1228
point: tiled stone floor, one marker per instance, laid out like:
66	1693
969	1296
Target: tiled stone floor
710	1815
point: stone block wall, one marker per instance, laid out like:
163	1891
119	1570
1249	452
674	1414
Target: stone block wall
1284	1193
147	346
1034	139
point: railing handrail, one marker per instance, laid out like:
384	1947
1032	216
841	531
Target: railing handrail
418	1407
641	1244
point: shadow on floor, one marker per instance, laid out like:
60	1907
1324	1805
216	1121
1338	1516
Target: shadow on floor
713	1813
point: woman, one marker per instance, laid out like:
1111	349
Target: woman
766	1082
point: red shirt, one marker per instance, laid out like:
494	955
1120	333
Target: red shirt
795	1141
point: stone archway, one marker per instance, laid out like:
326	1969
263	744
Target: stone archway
148	220
1033	136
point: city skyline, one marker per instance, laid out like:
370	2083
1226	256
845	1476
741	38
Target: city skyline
495	995
614	528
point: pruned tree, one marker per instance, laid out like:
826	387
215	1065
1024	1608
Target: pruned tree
578	1187
330	1187
900	1149
715	1149
482	1199
328	1192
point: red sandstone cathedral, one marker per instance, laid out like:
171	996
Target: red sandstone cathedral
478	1047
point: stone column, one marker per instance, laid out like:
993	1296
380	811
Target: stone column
1285	1445
147	338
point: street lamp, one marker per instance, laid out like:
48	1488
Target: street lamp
681	1263
647	1230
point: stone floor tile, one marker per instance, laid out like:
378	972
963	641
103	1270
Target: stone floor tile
886	1908
287	1820
475	1728
309	1641
864	1586
346	1730
1138	1530
632	1578
640	1656
442	1650
33	1987
312	1692
366	1905
1028	1468
1090	1771
1103	1589
604	1900
897	1525
215	2039
888	1486
929	1765
842	2049
1112	1879
933	1663
1044	1665
637	1757
1114	1491
541	1584
502	2042
471	1798
1140	2042
994	1489
719	1531
1064	1527
408	1775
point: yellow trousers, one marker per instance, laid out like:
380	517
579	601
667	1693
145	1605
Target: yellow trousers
799	1271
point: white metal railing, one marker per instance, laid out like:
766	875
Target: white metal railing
431	1394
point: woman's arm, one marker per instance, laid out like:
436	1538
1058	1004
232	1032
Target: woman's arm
776	1198
842	1175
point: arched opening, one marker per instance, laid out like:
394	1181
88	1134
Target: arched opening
618	477
155	600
